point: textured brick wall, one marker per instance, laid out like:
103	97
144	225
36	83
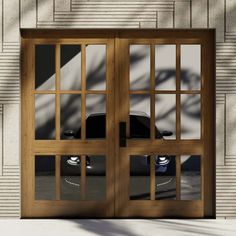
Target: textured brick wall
219	14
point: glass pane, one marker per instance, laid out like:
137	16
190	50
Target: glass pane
70	116
165	177
96	67
70	177
190	67
139	67
190	177
139	178
139	116
96	178
45	185
165	118
45	67
44	116
165	67
190	116
70	72
95	116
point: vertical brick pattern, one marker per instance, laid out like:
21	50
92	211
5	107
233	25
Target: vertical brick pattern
121	14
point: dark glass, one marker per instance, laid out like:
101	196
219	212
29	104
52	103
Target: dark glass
190	177
139	126
96	116
45	187
70	177
96	178
45	67
165	169
139	178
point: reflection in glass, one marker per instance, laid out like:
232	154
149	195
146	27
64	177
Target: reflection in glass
165	114
139	116
70	73
44	116
190	67
45	187
71	115
190	177
70	177
165	67
165	170
139	178
95	116
96	178
45	67
139	67
190	116
96	67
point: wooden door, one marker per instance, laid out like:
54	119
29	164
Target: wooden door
117	123
67	97
166	125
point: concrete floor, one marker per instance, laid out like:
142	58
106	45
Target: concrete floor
16	227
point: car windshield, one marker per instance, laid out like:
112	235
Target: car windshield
96	127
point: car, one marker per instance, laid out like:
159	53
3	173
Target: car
139	129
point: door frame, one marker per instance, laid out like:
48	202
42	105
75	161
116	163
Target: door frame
207	35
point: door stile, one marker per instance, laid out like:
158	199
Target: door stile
27	54
122	109
110	128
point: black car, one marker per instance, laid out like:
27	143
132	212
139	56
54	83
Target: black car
139	128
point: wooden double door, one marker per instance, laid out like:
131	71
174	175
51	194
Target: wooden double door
117	123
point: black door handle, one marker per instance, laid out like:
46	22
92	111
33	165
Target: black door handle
122	134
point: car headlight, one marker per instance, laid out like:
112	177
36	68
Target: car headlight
73	160
162	160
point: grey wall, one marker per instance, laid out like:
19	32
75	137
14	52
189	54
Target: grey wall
219	14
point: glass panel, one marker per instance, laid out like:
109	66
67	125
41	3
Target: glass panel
45	67
190	116
165	67
96	178
165	118
139	116
45	185
70	116
165	177
95	116
190	177
139	67
70	177
139	178
190	67
44	116
96	67
70	72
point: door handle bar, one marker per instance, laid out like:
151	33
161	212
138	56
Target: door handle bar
122	129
